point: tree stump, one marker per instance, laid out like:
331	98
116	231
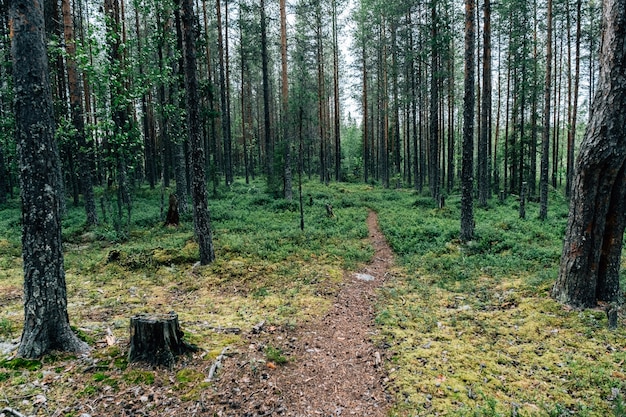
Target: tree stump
329	210
173	218
157	339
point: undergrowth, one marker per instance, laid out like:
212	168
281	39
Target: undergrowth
470	328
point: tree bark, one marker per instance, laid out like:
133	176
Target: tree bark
201	215
336	99
157	339
593	239
571	136
46	322
286	120
228	165
433	160
545	137
467	168
484	185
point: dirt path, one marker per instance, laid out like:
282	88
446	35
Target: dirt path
337	369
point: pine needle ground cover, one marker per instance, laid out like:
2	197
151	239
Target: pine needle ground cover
469	329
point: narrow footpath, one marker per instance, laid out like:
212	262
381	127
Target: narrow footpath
337	369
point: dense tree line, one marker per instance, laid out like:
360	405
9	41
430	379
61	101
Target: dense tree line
270	87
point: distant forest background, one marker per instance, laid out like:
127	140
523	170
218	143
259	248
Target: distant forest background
274	83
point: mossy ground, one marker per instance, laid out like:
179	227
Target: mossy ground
471	328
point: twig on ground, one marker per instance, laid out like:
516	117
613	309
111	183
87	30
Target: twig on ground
11	411
216	364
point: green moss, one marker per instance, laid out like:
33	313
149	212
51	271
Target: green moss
99	376
188	375
275	355
20	363
135	376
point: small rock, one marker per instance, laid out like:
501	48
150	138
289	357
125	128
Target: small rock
364	277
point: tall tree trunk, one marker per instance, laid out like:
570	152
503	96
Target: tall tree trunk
336	99
214	150
545	138
267	121
592	247
228	164
384	110
148	138
413	104
433	160
321	96
46	322
532	175
485	132
77	115
467	168
365	123
286	122
571	135
245	98
119	107
201	215
450	133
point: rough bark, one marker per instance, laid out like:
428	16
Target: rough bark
611	253
571	135
593	239
433	160
485	116
285	101
467	168
228	164
336	98
201	215
173	217
46	322
545	137
321	94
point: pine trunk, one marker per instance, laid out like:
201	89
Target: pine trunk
336	98
228	165
201	216
286	122
571	138
467	168
433	155
267	121
46	322
545	138
592	247
485	117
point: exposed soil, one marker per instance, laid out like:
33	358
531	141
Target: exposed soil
332	366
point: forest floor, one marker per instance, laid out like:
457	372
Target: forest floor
330	366
299	327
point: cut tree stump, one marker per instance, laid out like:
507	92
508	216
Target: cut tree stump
173	218
157	339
